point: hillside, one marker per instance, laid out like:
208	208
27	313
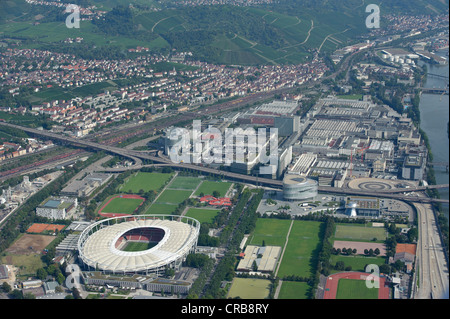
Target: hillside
285	32
227	34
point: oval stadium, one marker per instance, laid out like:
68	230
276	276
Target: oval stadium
138	243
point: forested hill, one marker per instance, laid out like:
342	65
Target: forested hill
391	6
241	35
284	31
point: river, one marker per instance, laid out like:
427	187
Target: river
434	116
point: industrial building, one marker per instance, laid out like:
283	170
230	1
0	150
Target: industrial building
287	125
84	187
413	167
280	108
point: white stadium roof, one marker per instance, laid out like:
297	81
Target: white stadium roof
97	243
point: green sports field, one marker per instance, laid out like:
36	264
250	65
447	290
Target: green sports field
202	215
165	209
173	196
301	251
358	262
122	206
293	290
355	289
272	231
208	188
138	246
145	181
184	182
249	288
350	232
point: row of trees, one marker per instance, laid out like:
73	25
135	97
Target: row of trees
26	214
242	221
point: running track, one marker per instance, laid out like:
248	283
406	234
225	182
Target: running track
332	283
119	196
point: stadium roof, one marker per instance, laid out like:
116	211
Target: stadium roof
98	249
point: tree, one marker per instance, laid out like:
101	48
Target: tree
216	194
376	251
340	265
41	273
412	235
16	294
6	287
385	269
60	278
29	295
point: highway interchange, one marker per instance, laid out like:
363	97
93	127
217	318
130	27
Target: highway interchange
432	265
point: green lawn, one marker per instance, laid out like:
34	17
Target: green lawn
208	188
165	209
202	215
350	232
358	263
26	264
300	257
272	231
249	288
355	289
145	181
173	196
138	246
293	290
122	206
184	182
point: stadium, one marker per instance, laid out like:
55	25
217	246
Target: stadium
138	244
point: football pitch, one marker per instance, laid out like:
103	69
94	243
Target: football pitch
208	188
294	290
170	196
355	289
301	250
184	183
120	205
300	256
202	215
249	288
360	232
145	181
272	231
138	246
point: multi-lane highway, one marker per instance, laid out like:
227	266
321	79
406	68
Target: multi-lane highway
431	266
136	156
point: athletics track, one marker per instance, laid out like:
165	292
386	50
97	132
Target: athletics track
332	284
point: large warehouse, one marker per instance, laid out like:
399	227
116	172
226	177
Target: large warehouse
297	188
138	244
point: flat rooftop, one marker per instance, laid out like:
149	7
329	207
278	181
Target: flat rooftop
52	203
